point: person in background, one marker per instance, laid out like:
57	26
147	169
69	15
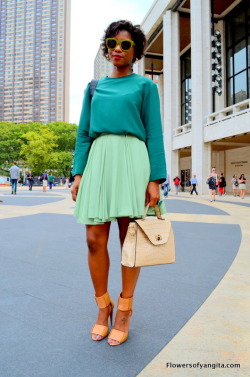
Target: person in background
212	181
30	179
44	178
242	186
182	184
67	183
14	176
235	183
71	180
194	183
176	181
166	186
51	181
222	184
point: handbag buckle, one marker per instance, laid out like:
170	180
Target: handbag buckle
158	237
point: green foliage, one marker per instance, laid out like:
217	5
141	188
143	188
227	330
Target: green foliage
37	146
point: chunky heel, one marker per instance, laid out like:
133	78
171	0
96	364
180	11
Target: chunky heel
117	336
101	331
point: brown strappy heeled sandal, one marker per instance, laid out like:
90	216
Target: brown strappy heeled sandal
124	304
100	330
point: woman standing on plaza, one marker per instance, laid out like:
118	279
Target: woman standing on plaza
235	183
222	184
119	163
212	180
242	186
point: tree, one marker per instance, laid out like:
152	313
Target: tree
66	134
10	143
61	162
37	150
38	146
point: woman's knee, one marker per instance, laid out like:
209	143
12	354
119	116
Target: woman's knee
93	242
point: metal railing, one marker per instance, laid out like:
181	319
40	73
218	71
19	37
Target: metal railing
183	129
229	112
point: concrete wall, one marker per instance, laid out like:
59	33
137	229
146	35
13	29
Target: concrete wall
238	162
230	162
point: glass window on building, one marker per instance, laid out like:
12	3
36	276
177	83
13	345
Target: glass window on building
238	54
186	88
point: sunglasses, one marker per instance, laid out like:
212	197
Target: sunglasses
125	44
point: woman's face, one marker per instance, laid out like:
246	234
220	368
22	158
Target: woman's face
121	58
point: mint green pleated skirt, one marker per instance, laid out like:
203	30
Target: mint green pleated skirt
114	181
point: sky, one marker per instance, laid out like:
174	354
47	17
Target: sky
89	19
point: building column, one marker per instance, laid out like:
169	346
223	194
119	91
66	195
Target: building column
139	68
172	87
161	94
201	88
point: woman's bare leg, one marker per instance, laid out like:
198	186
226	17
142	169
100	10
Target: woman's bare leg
129	280
98	259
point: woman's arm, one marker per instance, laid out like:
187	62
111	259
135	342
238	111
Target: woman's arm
151	118
83	140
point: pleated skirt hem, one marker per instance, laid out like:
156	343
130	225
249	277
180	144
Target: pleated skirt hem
114	181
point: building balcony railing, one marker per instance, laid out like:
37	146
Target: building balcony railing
229	112
183	129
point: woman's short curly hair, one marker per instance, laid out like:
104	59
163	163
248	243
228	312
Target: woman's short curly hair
136	32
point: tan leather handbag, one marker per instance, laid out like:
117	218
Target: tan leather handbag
149	241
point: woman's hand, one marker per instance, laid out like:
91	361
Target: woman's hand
152	194
75	187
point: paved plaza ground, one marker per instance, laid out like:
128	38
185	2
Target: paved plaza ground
189	317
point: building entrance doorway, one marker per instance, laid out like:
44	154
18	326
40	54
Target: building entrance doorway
185	179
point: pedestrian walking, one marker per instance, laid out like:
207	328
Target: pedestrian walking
119	148
242	186
44	178
67	183
71	180
30	179
176	181
50	181
222	184
194	183
166	186
212	181
235	183
182	184
14	176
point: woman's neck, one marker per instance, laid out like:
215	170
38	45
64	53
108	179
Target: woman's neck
120	72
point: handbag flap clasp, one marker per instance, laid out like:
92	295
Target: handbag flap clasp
157	231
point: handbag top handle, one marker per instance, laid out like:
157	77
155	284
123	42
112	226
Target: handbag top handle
157	212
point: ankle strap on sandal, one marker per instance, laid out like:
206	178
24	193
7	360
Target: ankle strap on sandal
125	304
102	301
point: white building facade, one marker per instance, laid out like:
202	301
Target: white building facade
200	49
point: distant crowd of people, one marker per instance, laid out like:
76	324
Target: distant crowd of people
216	185
46	179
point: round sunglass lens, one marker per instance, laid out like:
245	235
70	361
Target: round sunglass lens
126	45
111	43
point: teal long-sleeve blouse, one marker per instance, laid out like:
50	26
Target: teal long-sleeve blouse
127	105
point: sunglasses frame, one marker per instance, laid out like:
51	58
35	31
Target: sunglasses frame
119	43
